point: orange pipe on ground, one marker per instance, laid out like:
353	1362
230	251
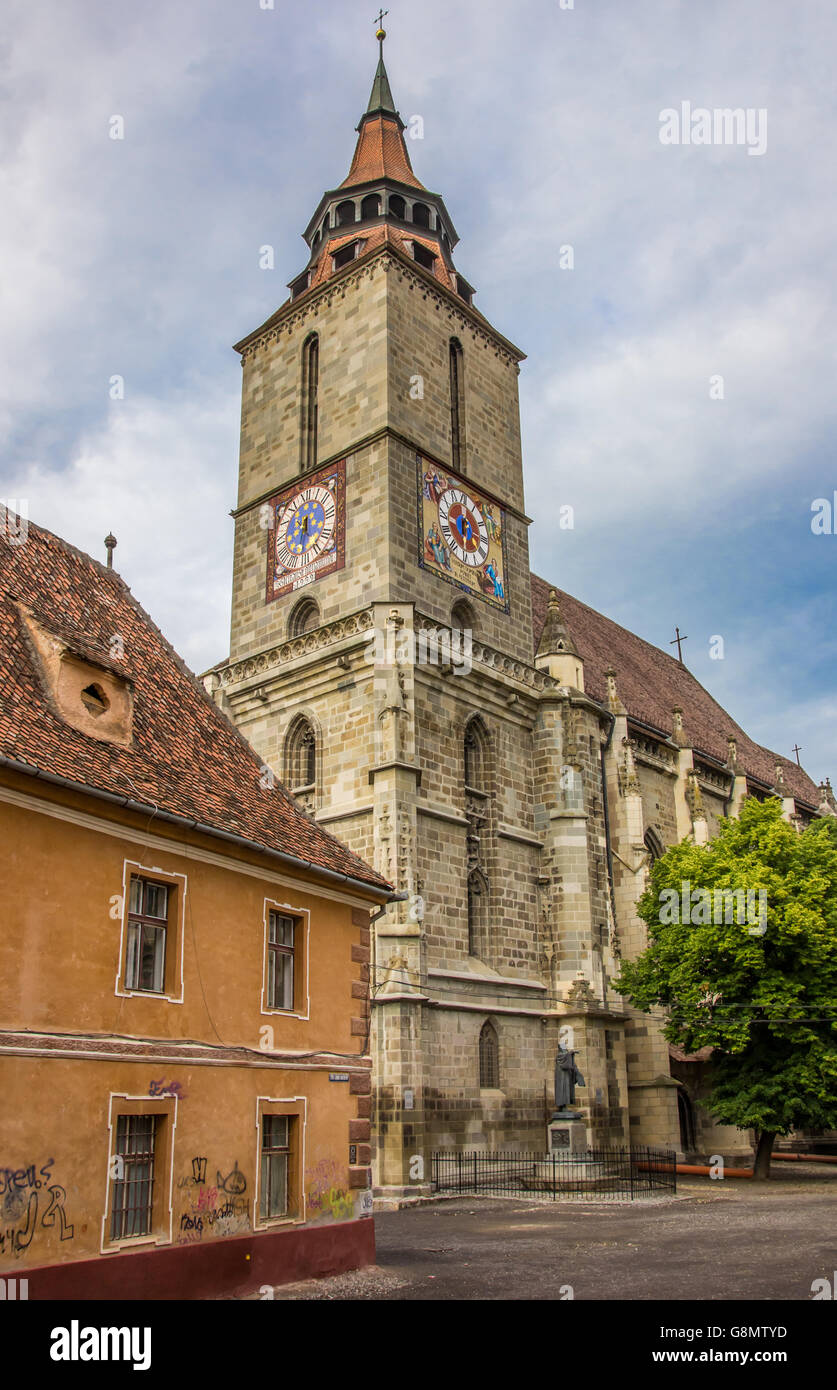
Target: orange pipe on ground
700	1169
808	1158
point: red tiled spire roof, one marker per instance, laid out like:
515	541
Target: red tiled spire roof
185	756
651	683
381	153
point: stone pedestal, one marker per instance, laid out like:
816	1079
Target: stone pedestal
566	1134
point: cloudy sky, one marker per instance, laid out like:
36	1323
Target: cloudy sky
139	258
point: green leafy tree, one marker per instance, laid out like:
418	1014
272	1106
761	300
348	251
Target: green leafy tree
756	980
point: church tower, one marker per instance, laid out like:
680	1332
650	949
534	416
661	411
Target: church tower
382	662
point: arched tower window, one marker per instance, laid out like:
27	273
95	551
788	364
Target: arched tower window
457	405
397	207
370	207
462	616
421	214
476	755
310	392
346	213
301	760
305	617
489	1058
477	914
478	855
653	844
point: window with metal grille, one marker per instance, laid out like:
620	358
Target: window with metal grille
280	961
489	1058
133	1187
275	1161
148	907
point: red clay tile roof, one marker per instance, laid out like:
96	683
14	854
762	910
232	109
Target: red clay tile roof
381	153
372	239
650	683
187	758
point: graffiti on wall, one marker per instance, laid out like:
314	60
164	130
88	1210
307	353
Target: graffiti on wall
220	1210
30	1201
325	1193
167	1088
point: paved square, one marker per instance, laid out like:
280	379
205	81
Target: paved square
728	1240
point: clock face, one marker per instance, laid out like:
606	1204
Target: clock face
462	534
306	535
462	527
305	527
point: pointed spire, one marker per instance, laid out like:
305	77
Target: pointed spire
381	99
557	653
381	151
555	639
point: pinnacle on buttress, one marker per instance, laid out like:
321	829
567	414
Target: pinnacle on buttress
555	639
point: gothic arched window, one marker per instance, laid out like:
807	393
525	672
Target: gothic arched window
301	757
305	617
457	405
475	746
654	845
310	392
477	914
489	1058
462	616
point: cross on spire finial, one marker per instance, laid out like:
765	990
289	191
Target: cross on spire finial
797	750
381	31
678	639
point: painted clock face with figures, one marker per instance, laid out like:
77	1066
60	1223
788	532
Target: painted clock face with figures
462	527
462	534
307	531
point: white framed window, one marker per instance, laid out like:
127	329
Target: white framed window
148	908
281	931
275	1163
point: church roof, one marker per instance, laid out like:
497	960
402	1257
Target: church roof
185	757
651	684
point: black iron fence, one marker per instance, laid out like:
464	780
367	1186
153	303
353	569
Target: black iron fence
602	1174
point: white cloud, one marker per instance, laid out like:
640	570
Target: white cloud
161	478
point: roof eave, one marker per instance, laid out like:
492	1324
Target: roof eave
379	891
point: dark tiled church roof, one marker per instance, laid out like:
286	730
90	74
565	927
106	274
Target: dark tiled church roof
186	757
651	683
